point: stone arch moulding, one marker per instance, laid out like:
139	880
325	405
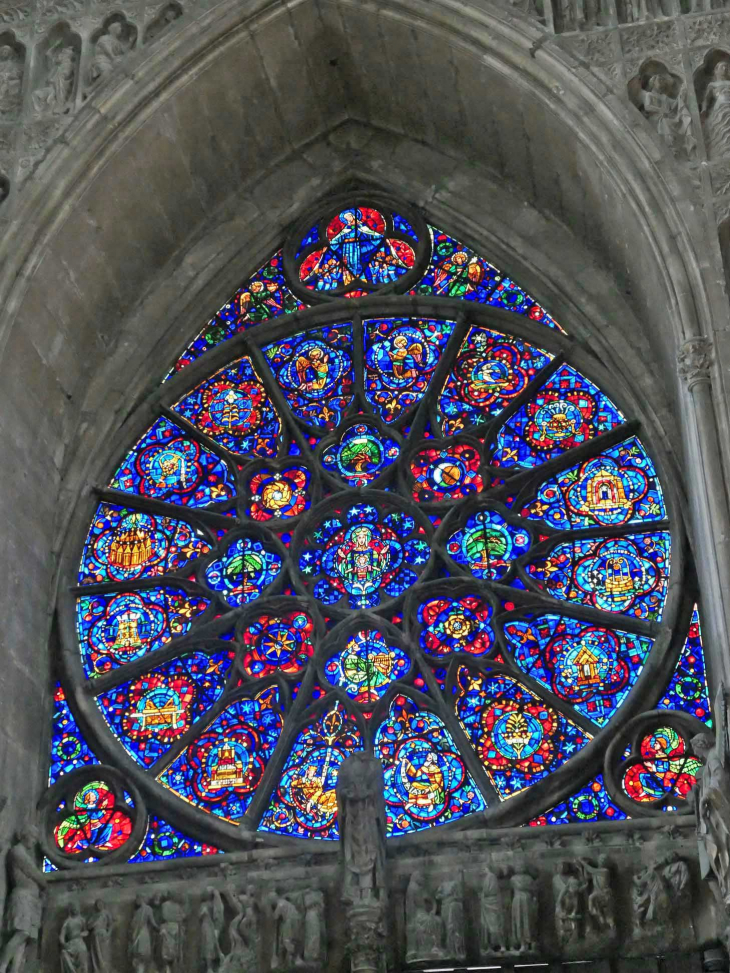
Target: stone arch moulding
631	201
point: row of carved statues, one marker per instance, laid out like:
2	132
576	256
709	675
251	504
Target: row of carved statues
58	58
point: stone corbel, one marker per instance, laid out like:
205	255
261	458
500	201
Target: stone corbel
694	361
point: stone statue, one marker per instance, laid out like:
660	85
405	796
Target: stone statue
451	899
314	933
210	950
423	924
233	962
716	112
524	912
167	16
217	914
676	876
140	935
11	80
491	937
288	929
711	797
170	933
72	940
601	916
361	813
24	907
100	929
668	113
569	891
56	94
652	905
110	48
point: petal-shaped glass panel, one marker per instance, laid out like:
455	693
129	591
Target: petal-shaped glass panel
117	628
366	666
277	643
247	568
149	713
221	770
426	781
518	737
456	625
123	545
487	544
591	667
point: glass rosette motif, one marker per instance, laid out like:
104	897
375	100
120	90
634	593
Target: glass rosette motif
408	533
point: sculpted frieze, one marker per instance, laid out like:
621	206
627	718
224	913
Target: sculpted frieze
707	30
649	38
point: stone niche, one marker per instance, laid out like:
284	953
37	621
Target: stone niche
623	896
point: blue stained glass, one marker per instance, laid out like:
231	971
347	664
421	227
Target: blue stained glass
401	225
621	574
163	842
487	544
264	296
361	454
221	770
592	668
314	370
687	690
233	408
510	296
400	357
69	749
118	628
518	738
150	713
490	371
426	782
123	545
304	802
244	572
589	804
366	666
168	465
619	486
309	238
568	410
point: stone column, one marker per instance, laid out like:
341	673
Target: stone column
361	810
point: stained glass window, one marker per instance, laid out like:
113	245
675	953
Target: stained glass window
395	516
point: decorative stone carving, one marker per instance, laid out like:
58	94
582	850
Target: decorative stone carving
569	892
288	932
24	906
450	896
56	86
116	39
524	912
314	931
4	188
210	950
140	936
101	925
662	99
649	38
170	933
15	14
164	19
12	60
72	940
694	361
601	919
423	923
491	935
706	30
716	111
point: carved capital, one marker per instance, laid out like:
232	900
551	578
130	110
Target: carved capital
694	360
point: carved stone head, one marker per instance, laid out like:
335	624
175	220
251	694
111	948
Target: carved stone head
702	743
722	71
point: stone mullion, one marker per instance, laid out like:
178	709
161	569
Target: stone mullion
205	516
428	406
461	740
199	436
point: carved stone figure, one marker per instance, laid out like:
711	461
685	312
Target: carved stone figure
668	113
524	912
170	934
451	898
361	815
101	924
314	933
24	907
55	94
676	876
652	905
366	938
210	951
491	937
569	892
716	112
288	927
601	917
167	16
423	924
140	935
217	914
11	80
72	940
711	798
110	48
